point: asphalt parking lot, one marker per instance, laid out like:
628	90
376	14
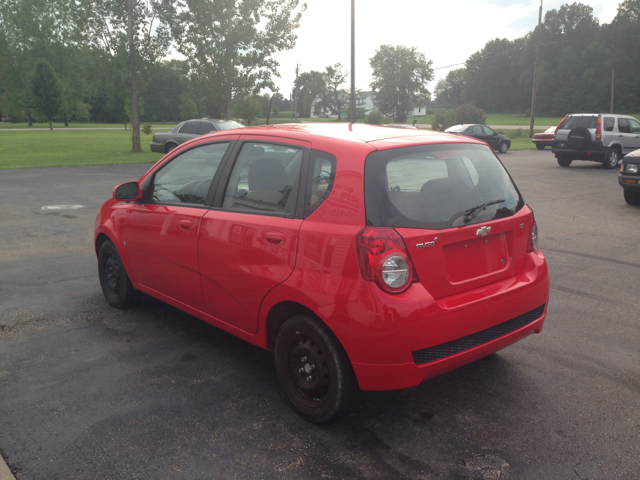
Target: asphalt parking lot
88	392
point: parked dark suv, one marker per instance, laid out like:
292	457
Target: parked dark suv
166	141
604	138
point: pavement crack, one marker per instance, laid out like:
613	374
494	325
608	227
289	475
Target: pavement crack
37	284
594	257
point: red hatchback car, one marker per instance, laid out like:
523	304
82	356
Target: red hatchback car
364	257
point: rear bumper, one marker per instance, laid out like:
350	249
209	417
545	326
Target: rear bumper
390	353
157	147
595	151
631	182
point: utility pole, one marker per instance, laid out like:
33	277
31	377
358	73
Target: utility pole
231	5
353	61
535	74
295	98
611	91
135	118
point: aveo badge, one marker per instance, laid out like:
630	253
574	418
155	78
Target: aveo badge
427	244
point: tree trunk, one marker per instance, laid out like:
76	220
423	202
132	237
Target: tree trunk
66	121
50	124
30	120
135	120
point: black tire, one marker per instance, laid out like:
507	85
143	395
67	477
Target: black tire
169	146
504	146
115	283
632	197
578	138
314	370
612	159
564	161
539	146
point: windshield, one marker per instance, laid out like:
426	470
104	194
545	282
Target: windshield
228	125
586	121
457	128
437	186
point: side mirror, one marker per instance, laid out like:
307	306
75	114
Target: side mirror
127	191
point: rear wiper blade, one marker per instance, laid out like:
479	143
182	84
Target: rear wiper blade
474	211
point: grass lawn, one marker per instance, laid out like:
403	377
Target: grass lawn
60	125
67	148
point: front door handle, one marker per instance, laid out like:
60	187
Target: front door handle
185	224
275	237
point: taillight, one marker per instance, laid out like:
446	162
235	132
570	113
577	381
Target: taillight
561	122
383	258
533	241
153	139
599	129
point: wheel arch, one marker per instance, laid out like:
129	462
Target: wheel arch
100	239
280	313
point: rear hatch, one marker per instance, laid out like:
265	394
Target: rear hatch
462	218
588	121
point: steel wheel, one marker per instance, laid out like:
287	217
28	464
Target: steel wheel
504	147
314	370
116	286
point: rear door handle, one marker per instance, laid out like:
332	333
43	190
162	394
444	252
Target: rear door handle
185	224
275	237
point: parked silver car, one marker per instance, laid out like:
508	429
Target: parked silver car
599	137
166	141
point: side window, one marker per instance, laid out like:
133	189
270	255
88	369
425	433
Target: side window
190	128
623	125
187	178
205	127
322	173
477	130
488	131
608	124
635	125
264	179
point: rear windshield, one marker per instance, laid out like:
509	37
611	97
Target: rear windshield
437	186
228	125
457	128
579	121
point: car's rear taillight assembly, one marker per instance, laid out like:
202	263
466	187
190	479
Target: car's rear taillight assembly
533	241
383	258
561	122
599	129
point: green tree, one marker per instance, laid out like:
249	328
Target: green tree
309	86
448	91
129	33
443	119
188	108
232	43
247	108
332	99
400	77
45	88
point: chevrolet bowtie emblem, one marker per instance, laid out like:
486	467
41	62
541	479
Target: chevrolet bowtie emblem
484	231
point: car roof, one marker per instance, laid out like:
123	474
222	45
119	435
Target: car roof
357	133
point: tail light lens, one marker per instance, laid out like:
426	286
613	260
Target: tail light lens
561	122
383	258
153	139
599	129
533	241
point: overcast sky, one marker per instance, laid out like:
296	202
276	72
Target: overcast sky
446	32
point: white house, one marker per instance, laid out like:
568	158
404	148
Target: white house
364	100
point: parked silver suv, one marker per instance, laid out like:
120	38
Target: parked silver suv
599	137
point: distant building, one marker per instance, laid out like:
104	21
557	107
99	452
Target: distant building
364	100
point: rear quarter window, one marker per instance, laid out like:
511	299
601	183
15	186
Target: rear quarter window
434	186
